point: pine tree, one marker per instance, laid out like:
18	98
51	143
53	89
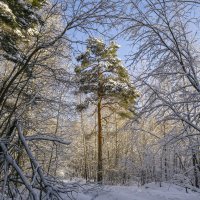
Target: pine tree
102	76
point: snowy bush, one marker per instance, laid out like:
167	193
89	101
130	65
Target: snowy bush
182	180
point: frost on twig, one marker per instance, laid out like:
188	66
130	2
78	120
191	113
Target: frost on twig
48	138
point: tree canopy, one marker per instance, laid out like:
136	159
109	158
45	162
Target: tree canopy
102	75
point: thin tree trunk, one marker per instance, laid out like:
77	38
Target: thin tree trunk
100	164
84	146
54	145
165	162
196	180
116	142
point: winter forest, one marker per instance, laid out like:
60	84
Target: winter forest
100	99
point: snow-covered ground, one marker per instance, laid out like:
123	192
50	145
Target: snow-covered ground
148	192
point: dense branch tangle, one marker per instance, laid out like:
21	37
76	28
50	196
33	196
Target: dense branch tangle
35	69
168	51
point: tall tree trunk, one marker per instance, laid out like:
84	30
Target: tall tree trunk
85	173
100	164
116	142
84	149
54	147
165	162
196	180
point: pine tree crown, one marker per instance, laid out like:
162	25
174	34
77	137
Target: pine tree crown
101	74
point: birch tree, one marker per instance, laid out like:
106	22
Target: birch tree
164	35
